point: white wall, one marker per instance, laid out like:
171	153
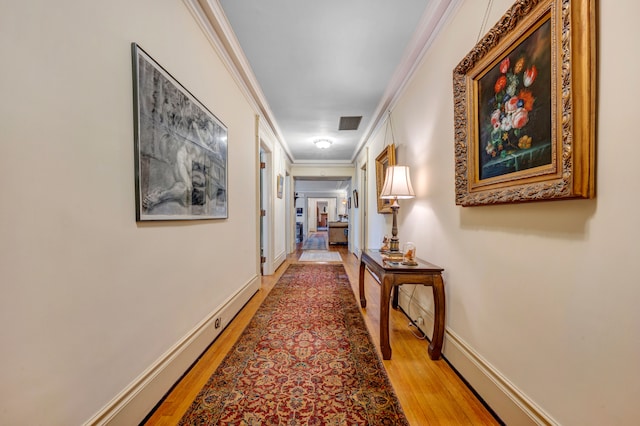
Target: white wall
90	298
544	295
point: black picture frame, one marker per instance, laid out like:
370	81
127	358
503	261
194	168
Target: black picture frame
180	148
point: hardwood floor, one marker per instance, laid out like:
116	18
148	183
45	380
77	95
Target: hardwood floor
429	391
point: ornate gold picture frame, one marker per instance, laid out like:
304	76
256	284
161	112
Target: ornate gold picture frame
385	159
524	107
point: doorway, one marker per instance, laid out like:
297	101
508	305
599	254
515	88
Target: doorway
262	209
321	211
322	215
363	207
266	211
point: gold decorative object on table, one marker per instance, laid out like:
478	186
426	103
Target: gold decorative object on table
385	244
393	258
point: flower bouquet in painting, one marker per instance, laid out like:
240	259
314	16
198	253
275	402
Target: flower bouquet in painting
525	107
515	109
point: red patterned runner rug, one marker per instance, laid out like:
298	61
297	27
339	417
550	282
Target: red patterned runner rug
306	358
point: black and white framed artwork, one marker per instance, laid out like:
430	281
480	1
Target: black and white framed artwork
180	148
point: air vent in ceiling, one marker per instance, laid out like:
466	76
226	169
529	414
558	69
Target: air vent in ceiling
349	123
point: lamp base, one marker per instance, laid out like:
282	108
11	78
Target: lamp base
394	244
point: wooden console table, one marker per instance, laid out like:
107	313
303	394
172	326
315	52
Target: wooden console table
393	276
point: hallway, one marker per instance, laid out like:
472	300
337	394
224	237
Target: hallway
429	391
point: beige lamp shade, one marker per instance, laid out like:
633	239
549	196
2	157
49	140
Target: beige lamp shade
397	183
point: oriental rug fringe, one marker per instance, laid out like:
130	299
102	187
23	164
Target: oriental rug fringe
306	358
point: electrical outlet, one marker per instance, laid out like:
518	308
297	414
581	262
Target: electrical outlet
419	321
218	323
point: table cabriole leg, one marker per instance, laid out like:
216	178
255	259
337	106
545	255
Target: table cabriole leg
394	299
435	348
363	300
385	295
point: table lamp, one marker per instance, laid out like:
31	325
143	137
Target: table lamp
397	185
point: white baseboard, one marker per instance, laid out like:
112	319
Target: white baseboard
133	404
507	401
279	260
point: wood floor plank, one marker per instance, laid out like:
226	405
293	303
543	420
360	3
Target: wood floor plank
429	391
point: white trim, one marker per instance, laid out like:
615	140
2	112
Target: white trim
211	19
210	16
279	260
358	252
504	398
136	401
219	47
323	162
258	194
268	199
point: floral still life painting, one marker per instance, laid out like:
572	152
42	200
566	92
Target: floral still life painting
515	109
525	106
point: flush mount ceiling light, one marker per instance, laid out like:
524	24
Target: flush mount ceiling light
322	143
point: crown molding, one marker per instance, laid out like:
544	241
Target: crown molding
324	162
211	18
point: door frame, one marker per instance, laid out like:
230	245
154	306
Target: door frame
266	204
363	204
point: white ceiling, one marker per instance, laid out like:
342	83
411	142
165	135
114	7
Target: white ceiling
318	60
